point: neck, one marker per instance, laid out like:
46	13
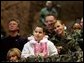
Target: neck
13	34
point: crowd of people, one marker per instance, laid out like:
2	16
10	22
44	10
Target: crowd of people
48	40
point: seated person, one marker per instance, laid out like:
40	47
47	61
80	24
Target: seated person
38	45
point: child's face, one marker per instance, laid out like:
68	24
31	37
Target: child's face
38	33
13	58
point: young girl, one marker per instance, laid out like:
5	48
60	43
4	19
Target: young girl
14	55
38	45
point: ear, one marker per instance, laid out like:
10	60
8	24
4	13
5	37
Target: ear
63	25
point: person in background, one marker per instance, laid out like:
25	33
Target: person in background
80	38
49	9
13	55
3	33
13	40
39	45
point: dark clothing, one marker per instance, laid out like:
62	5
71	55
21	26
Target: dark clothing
78	37
11	42
50	33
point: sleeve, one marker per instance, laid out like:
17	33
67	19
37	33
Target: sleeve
25	51
52	49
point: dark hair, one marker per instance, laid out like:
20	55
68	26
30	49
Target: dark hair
16	20
51	15
38	25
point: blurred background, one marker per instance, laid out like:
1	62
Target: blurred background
28	13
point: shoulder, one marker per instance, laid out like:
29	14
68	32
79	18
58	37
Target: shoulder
43	9
50	43
26	44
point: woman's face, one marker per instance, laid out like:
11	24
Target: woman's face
59	28
38	33
13	26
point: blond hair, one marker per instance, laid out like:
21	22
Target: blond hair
14	51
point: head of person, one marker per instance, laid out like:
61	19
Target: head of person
13	25
49	4
50	20
81	22
59	27
76	26
14	55
39	32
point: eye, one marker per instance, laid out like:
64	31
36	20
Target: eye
35	31
58	26
54	27
40	32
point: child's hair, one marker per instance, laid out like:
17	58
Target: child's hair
15	52
38	25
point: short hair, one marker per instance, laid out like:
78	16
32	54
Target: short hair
43	27
50	14
16	20
14	51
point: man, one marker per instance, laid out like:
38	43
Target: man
49	9
14	40
50	20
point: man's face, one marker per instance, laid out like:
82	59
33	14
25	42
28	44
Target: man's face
13	26
49	22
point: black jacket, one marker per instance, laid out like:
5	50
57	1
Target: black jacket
11	42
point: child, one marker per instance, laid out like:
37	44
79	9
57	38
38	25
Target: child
38	45
13	55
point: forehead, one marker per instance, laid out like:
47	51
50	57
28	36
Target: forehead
13	22
50	17
38	29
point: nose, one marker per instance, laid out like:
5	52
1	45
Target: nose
49	23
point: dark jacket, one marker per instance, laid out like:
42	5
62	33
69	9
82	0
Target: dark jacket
11	42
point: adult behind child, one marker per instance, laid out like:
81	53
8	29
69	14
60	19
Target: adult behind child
13	39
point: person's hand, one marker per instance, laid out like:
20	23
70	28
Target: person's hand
59	48
41	54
